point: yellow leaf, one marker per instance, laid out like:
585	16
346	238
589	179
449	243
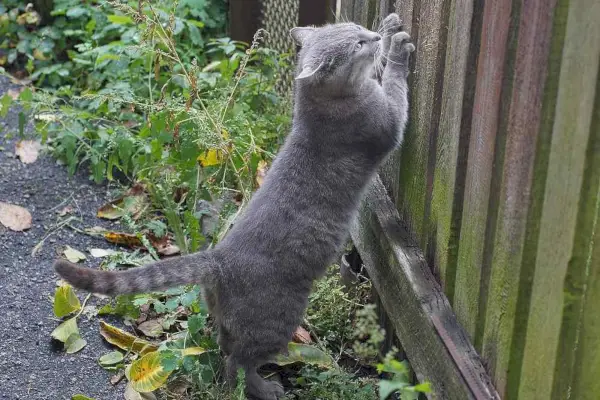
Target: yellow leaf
124	340
15	218
39	55
193	351
211	157
65	301
147	374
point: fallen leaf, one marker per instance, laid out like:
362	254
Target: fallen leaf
133	203
73	255
306	354
163	245
301	335
132	394
74	343
261	172
147	374
112	358
80	397
15	218
124	239
27	151
124	340
100	253
65	301
65	330
152	328
97	231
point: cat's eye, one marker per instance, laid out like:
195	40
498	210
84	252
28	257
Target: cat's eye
358	46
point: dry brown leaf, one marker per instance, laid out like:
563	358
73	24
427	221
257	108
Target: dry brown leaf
163	245
15	218
151	328
302	336
27	150
133	202
261	172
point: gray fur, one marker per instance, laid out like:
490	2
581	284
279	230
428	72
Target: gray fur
258	278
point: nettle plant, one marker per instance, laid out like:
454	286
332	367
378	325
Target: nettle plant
147	97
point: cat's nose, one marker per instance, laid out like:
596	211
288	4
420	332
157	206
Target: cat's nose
376	38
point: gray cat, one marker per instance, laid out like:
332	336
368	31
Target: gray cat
347	118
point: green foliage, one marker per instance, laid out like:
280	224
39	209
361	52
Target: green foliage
332	307
332	385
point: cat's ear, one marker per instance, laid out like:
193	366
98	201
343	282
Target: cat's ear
308	71
301	34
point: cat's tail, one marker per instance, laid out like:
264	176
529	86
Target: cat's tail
164	274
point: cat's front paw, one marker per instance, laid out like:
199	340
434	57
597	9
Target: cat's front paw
401	43
390	25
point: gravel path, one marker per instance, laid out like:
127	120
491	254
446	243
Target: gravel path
33	366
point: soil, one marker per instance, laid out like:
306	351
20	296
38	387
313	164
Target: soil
33	365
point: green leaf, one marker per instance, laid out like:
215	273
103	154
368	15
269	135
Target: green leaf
112	358
76	12
120	19
26	95
5	103
65	301
386	388
195	35
81	397
74	343
298	352
65	330
21	123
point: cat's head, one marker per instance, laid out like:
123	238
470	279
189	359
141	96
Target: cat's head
336	54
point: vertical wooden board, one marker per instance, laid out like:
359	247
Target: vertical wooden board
571	131
346	10
390	171
448	150
490	70
522	132
422	126
361	12
578	360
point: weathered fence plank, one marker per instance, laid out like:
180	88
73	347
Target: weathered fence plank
515	193
452	144
416	162
541	375
581	332
437	347
496	21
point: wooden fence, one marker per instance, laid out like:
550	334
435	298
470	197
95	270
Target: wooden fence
482	240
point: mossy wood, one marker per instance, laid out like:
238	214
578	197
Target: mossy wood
498	184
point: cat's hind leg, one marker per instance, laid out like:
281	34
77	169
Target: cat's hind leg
256	386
